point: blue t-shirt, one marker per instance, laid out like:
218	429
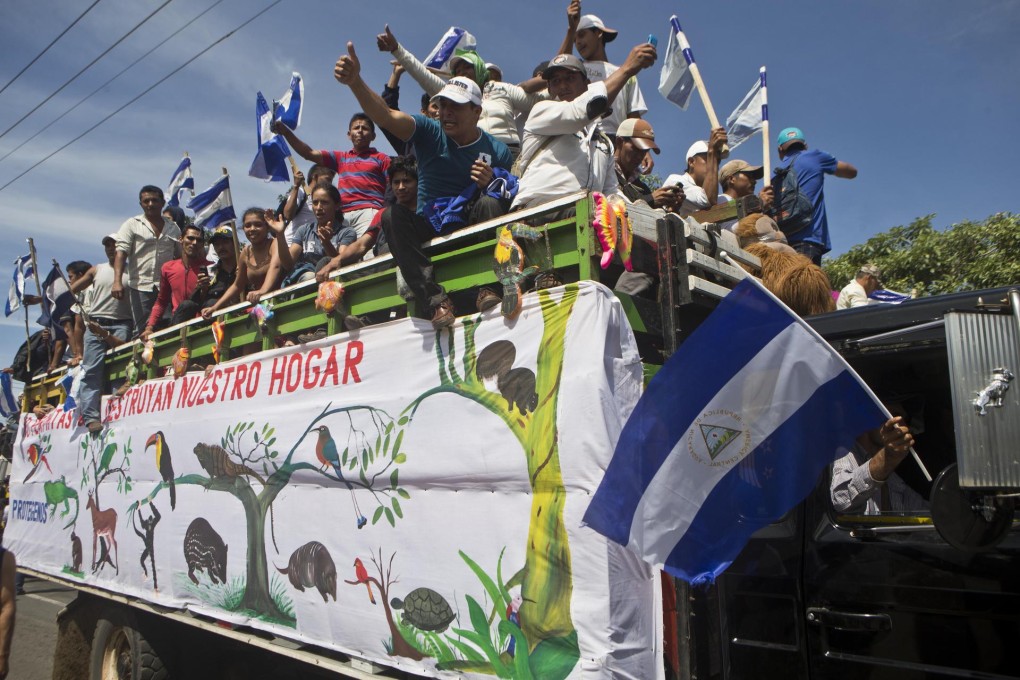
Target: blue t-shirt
311	247
444	169
812	166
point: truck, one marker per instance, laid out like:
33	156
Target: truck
397	501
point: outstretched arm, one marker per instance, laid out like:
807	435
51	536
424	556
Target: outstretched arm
845	170
573	17
429	81
302	149
348	72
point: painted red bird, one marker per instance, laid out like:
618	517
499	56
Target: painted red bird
362	577
35	457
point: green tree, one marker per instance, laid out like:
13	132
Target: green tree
966	256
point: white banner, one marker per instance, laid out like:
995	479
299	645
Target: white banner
409	497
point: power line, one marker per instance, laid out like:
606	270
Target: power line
142	94
45	49
87	67
95	91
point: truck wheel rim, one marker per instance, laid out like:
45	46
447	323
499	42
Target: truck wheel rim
117	657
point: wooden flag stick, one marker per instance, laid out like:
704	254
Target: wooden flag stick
699	82
38	288
766	160
293	165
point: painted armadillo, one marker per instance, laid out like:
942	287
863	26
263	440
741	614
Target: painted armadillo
216	461
311	565
205	550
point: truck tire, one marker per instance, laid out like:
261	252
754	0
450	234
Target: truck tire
121	652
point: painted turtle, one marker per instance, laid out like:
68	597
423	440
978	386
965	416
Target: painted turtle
425	609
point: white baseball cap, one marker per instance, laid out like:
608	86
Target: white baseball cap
460	90
700	146
592	21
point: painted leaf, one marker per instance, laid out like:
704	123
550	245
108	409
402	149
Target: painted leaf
396	508
343	456
364	479
378	514
400	459
389	516
403	421
386	443
393	478
397	441
403	494
488	584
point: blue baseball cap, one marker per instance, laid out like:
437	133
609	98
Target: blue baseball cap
790	134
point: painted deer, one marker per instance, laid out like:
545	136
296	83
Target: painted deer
104	524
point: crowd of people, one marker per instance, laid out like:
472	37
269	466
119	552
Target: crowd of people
477	149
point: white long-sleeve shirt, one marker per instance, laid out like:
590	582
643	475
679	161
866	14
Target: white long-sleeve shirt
501	102
579	157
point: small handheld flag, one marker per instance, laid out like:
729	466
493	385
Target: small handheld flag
716	449
288	109
455	38
213	206
747	118
180	181
270	162
16	295
8	404
676	82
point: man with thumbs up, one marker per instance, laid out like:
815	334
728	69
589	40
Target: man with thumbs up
452	153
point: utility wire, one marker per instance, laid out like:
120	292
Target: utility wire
142	94
95	91
87	67
45	49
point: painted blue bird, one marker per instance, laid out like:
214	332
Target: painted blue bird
326	452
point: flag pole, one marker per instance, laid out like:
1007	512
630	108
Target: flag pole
233	231
699	83
817	336
38	288
765	151
293	166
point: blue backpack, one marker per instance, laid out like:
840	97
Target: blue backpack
793	209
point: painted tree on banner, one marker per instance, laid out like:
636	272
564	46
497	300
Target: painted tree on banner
246	464
528	407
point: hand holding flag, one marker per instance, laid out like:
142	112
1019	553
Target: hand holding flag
270	162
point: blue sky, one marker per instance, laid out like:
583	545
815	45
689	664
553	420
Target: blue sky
920	95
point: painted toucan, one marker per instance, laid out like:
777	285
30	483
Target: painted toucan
326	452
164	464
361	574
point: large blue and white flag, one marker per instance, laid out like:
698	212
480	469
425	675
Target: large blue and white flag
676	82
56	303
270	161
8	404
71	384
747	118
287	109
180	181
16	295
731	433
213	206
454	39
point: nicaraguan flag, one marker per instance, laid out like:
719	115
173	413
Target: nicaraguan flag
288	108
890	297
746	119
8	404
180	181
732	432
676	83
57	301
454	39
213	206
270	161
71	384
16	295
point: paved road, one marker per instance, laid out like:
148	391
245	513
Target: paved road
35	629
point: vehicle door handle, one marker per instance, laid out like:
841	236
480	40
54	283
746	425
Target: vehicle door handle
852	621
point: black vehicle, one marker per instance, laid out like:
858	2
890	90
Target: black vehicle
933	592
